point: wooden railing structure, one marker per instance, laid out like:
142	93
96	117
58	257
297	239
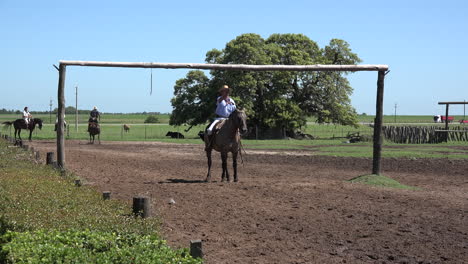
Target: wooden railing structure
381	69
424	134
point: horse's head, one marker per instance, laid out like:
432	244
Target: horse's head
38	121
239	119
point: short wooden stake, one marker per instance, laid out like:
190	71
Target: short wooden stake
141	207
106	195
25	147
196	248
50	158
78	183
38	155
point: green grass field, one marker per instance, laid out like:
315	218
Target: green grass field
164	118
329	140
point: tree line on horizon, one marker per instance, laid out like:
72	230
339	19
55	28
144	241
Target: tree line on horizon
70	110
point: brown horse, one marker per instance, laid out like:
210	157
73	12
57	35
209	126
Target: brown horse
94	129
126	128
19	124
225	140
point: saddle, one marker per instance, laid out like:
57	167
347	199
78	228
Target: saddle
218	126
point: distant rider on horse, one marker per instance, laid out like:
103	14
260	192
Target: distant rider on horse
225	105
26	116
94	116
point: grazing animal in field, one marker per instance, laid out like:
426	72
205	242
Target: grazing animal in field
64	126
94	129
201	134
126	128
226	139
19	124
174	135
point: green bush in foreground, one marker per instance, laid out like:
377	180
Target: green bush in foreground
45	218
88	247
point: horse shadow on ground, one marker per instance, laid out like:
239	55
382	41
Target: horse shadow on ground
181	181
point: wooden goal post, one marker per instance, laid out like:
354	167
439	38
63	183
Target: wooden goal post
381	69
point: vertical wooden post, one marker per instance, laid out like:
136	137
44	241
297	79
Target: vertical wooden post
141	206
76	110
106	195
377	157
196	248
50	158
446	121
61	113
78	183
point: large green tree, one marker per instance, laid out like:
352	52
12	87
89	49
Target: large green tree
271	99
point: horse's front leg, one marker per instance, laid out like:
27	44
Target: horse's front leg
234	165
225	174
30	135
208	155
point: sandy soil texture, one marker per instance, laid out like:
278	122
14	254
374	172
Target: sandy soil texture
289	206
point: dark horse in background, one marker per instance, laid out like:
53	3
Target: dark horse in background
19	124
94	129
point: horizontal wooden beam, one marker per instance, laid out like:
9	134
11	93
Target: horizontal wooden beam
445	103
239	67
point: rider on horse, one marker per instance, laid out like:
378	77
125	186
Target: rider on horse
225	105
26	116
94	116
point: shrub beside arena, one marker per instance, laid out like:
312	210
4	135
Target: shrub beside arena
43	246
151	119
46	218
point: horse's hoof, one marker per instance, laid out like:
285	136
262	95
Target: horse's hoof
236	180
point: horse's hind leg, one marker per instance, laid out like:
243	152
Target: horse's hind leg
225	175
234	165
208	155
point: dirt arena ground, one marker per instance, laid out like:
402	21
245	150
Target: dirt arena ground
289	207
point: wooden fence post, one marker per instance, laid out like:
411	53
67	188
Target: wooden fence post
141	206
106	195
78	183
196	248
50	158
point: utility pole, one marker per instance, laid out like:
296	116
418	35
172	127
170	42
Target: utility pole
50	111
76	108
395	111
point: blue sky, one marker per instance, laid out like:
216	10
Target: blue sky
424	43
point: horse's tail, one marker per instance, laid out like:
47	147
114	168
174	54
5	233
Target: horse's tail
7	124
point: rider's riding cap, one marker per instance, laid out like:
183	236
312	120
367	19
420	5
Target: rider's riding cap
25	108
224	88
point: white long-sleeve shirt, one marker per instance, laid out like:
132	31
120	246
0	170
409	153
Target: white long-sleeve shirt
26	114
224	109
